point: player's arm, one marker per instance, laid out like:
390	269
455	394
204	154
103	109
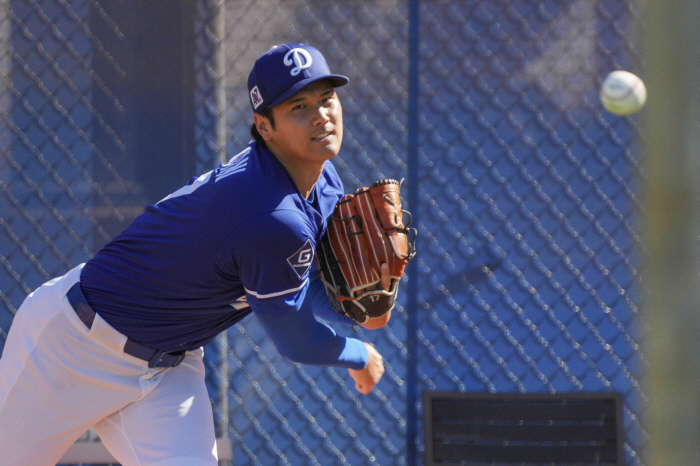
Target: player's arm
298	336
272	256
318	298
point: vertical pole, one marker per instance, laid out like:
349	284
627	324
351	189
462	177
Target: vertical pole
187	150
413	185
163	94
220	57
219	65
221	379
5	73
671	213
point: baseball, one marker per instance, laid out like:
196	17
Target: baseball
623	93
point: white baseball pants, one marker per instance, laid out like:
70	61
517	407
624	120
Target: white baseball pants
58	379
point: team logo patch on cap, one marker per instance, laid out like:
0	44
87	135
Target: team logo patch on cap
255	97
301	260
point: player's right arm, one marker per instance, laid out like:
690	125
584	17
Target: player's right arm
298	336
303	341
272	254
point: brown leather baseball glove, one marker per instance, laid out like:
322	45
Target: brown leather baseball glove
365	231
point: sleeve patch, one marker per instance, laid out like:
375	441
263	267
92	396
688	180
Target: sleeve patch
302	259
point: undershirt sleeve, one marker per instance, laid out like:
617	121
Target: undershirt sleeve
298	336
320	303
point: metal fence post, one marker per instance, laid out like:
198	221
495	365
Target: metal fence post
672	157
413	182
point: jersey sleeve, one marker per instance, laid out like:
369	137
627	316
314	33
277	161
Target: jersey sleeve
270	255
273	257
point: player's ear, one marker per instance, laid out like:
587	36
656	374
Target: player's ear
263	125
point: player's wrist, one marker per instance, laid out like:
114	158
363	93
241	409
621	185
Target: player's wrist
355	355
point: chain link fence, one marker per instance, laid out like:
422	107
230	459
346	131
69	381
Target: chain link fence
528	274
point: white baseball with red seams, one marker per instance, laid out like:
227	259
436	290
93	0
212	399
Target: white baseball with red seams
623	93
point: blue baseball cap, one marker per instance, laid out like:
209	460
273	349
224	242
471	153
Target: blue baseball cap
283	71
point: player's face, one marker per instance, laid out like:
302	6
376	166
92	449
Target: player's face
308	126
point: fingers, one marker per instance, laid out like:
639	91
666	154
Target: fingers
363	382
386	276
365	389
366	378
362	389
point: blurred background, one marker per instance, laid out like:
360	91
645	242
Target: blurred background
525	191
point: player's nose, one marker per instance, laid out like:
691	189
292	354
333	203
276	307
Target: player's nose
321	115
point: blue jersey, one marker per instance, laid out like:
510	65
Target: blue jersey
195	263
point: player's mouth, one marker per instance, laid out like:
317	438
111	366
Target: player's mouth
322	137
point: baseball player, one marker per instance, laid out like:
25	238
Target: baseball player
116	343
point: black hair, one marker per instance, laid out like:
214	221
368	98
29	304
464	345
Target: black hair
267	113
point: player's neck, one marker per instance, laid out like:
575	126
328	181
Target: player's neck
305	175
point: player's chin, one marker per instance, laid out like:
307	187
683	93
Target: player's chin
327	149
